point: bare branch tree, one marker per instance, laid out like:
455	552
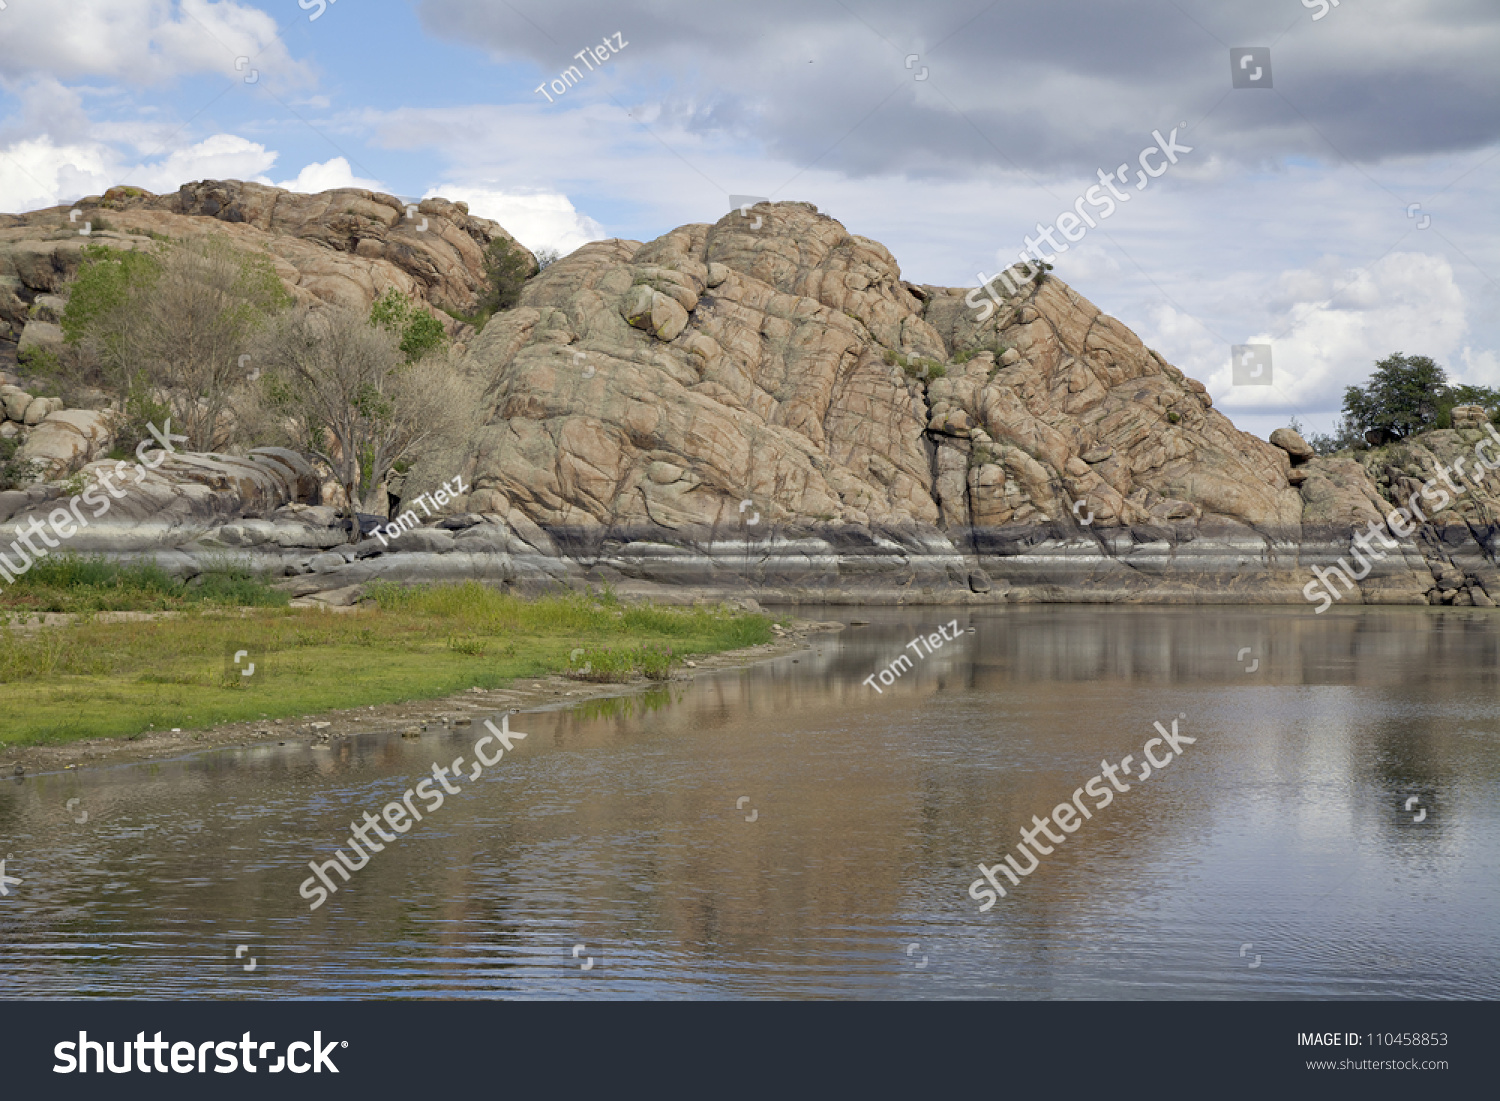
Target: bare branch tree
176	331
348	396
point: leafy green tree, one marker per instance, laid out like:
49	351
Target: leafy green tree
1483	396
1405	395
417	330
1345	437
506	269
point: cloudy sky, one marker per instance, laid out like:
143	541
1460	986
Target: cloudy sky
1340	207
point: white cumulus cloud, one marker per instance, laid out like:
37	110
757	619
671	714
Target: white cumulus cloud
38	173
327	176
538	219
1332	324
139	41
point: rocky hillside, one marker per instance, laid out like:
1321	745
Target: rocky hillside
765	402
665	383
345	246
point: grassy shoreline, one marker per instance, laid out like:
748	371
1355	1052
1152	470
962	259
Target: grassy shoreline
122	680
79	584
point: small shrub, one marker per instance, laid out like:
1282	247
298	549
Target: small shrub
982	455
1173	417
16	473
466	644
238	586
607	665
506	269
1345	437
921	367
419	331
105	282
600	664
39	361
656	662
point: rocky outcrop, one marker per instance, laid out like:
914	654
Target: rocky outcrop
1445	471
650	404
764	405
24	409
1470	416
53	441
790	366
129	510
342	246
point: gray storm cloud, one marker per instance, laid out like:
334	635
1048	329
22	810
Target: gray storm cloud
1047	88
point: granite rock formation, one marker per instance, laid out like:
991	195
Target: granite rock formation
765	406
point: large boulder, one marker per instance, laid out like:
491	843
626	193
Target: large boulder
64	440
1470	416
13	403
1293	444
39	336
38	409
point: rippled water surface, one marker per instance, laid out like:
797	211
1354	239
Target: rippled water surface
787	831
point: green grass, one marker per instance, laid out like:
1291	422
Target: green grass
916	367
95	679
608	665
74	583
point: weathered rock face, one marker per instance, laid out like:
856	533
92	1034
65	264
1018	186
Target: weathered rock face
345	246
1444	476
131	508
65	439
649	405
666	383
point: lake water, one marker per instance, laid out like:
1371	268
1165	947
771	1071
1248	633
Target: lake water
785	831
